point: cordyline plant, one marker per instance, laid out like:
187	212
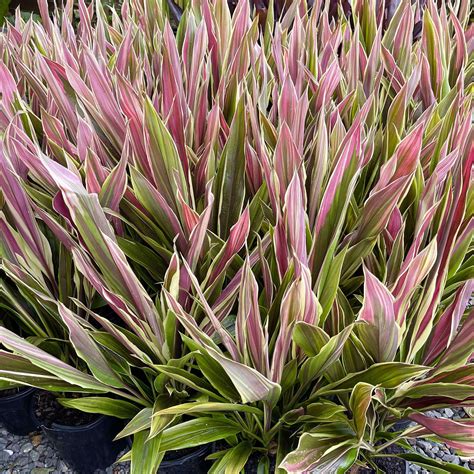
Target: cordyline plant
280	212
36	274
39	287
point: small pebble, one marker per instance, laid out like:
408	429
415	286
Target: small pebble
425	445
35	456
27	448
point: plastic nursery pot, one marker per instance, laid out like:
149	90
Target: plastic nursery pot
87	447
186	461
17	411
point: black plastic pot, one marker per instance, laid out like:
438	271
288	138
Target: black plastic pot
87	447
186	461
191	460
17	412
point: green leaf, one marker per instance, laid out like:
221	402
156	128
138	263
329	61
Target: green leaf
456	391
234	460
329	283
207	407
144	256
385	374
114	186
187	378
323	412
230	182
103	405
217	377
321	454
432	465
164	158
310	338
18	370
160	422
146	455
88	350
4	4
49	363
141	422
197	432
359	404
251	384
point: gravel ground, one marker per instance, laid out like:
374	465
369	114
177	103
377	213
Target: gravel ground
440	451
34	454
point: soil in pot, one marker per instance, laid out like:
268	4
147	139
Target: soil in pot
16	410
390	465
50	411
84	441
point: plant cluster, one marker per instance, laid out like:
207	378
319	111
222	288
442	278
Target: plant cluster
245	229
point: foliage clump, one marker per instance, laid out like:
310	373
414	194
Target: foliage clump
255	229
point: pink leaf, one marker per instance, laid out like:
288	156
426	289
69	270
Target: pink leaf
249	331
409	280
448	324
378	311
295	218
456	434
237	237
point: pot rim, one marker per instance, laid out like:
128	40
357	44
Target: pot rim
199	451
56	427
24	391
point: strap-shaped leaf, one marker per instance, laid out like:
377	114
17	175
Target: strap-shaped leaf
359	403
89	351
50	363
386	374
234	460
312	452
103	405
322	350
207	407
230	182
197	432
381	333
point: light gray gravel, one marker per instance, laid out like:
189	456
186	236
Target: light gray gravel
34	454
440	451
